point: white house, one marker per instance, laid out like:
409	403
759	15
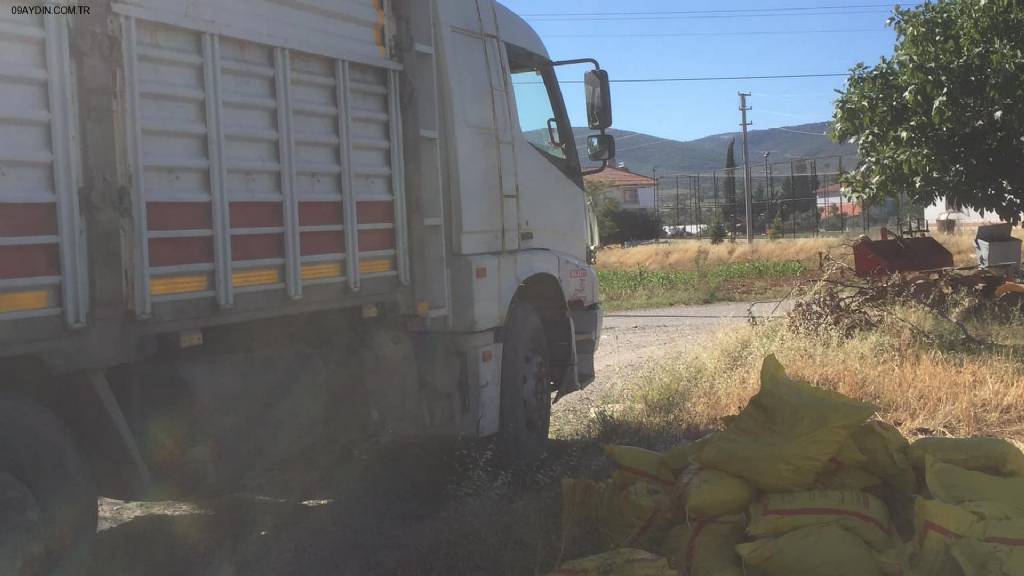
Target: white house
632	191
945	210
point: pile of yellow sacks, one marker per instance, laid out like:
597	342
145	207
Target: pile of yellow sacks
803	483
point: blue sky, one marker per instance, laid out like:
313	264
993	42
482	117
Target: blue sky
816	41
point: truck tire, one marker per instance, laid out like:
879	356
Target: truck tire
47	495
525	387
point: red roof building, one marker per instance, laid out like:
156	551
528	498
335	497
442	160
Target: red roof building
632	191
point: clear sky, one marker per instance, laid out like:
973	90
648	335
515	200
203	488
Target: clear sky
683	39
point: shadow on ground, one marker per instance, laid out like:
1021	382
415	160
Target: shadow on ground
423	508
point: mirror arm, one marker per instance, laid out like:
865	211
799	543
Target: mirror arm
604	164
597	65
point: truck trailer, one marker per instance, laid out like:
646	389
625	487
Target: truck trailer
224	221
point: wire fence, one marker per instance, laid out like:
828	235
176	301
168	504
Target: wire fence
795	198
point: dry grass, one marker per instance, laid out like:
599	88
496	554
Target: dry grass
687	254
923	388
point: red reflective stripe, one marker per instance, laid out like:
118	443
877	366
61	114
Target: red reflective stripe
28	219
375	212
29	261
257	247
320	213
370	240
256	214
313	243
179	251
178	216
826	512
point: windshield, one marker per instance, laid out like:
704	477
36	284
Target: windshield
541	111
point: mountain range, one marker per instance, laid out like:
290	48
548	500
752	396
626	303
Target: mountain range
643	153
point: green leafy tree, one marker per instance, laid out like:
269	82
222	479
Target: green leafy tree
942	117
606	209
729	186
717	232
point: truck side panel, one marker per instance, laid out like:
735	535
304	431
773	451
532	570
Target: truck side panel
40	235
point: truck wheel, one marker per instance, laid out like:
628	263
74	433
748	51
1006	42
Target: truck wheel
47	495
525	387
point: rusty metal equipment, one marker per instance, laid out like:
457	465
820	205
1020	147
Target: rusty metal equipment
902	253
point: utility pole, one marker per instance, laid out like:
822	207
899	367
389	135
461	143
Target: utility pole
746	165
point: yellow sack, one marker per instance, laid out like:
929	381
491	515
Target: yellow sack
885	453
632	464
996	549
706	547
956	485
704	493
678	459
993	510
842	477
938	527
859	513
989	455
580	501
786	435
813	551
622	562
634	516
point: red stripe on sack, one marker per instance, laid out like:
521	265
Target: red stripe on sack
826	512
314	243
375	212
256	214
639	532
637	471
370	240
1004	541
941	530
320	214
179	251
178	216
29	261
28	219
691	547
257	247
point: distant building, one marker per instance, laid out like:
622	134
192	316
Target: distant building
632	191
943	209
831	201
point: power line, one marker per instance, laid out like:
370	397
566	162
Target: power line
720	11
747	33
707	17
802	132
704	78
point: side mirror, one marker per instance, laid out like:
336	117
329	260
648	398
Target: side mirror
601	147
599	99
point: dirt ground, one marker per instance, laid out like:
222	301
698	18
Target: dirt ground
432	507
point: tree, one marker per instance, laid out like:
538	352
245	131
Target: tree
942	117
729	187
605	209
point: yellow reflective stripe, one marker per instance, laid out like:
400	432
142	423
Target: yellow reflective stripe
374	266
256	277
178	285
319	271
20	301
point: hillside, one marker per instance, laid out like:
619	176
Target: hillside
642	152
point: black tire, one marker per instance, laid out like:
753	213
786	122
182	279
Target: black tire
58	496
525	387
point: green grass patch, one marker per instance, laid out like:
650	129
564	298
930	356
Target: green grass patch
625	289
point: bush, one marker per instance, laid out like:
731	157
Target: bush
777	229
717	232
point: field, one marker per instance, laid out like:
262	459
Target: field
696	272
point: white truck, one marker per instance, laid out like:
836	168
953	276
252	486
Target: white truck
223	219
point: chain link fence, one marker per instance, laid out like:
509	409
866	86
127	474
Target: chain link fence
791	199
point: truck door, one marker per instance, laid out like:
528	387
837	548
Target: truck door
483	163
